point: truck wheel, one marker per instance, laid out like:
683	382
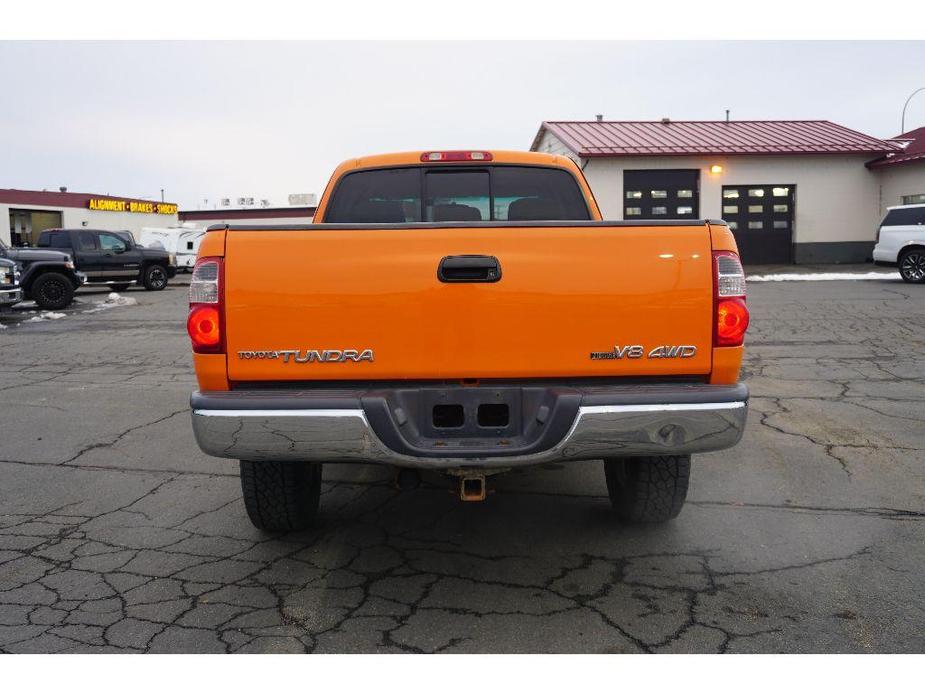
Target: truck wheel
650	489
281	496
155	278
52	291
912	265
121	287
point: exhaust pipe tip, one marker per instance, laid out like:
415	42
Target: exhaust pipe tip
407	479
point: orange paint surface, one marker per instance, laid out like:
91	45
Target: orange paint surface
565	292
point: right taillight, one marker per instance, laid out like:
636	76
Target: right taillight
206	321
731	315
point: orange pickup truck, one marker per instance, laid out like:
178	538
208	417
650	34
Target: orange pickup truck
468	312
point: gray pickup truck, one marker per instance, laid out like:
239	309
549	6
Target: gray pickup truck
49	277
10	292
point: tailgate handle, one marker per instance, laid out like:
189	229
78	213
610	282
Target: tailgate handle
469	268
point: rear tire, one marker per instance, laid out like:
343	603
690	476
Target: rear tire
651	489
155	278
281	496
912	265
52	291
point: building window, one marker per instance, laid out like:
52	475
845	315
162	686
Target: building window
756	192
755	209
659	193
913	199
781	208
729	193
781	224
685	193
659	210
730	209
685	209
633	211
756	225
780	191
633	194
733	225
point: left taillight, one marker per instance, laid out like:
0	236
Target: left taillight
731	314
206	321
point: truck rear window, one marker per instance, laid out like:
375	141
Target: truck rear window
53	239
457	194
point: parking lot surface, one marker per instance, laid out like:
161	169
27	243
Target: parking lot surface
117	534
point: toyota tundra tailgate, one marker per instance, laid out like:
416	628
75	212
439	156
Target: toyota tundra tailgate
444	301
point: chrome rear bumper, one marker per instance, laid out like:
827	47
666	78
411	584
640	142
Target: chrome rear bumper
344	434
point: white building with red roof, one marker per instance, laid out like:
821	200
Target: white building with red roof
902	174
32	211
792	191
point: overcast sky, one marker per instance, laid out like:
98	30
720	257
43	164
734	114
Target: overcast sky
212	120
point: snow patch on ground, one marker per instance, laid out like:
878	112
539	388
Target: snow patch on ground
46	315
824	276
112	300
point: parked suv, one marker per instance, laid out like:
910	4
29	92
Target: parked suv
10	293
48	277
113	257
901	241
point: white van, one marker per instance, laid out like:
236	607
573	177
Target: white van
182	241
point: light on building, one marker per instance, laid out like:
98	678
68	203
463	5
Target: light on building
716	169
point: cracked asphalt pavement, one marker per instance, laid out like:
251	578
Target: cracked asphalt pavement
118	534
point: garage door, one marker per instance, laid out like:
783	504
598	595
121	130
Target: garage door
661	194
761	219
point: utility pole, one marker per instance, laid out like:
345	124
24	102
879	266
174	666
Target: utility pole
162	195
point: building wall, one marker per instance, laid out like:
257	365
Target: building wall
76	217
551	144
837	197
899	180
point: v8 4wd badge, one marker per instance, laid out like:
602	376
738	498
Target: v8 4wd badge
638	351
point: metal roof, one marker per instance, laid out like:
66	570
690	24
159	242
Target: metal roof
654	138
912	144
54	198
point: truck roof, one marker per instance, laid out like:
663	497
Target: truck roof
487	157
497	157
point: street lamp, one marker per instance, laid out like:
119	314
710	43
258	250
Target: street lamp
903	127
